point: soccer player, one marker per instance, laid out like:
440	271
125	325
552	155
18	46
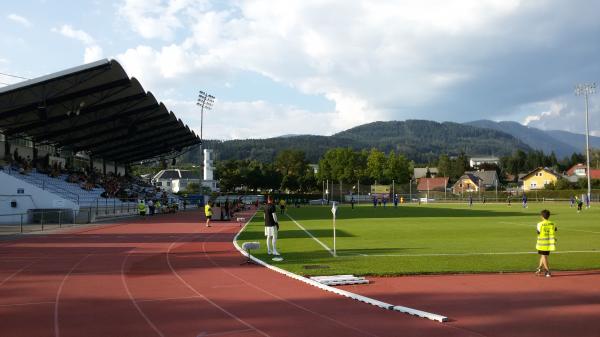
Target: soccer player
524	200
271	227
208	212
546	242
470	200
572	202
579	204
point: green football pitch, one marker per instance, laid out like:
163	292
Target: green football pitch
428	238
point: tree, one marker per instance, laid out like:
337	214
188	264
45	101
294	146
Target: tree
397	168
444	165
292	165
192	188
376	163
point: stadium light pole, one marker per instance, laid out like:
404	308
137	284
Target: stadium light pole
587	89
205	101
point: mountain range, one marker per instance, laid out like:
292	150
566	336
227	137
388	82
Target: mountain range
563	143
419	140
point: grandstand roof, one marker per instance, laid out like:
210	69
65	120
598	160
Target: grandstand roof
97	108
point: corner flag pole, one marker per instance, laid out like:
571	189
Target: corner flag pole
333	211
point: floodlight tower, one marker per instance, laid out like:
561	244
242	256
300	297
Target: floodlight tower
587	89
205	101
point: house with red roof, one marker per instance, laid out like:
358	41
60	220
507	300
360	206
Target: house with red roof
432	184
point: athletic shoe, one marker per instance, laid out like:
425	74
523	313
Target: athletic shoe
268	252
538	271
276	253
548	274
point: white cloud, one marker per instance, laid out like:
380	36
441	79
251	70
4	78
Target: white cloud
563	113
389	60
92	52
70	32
155	19
260	119
19	19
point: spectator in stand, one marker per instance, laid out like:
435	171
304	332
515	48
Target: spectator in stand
151	206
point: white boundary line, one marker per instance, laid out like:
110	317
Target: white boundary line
360	298
464	254
561	228
310	234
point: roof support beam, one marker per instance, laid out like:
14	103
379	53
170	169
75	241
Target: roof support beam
65	98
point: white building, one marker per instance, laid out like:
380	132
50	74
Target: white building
175	180
475	162
209	169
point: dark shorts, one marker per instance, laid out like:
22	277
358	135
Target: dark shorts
543	252
209	217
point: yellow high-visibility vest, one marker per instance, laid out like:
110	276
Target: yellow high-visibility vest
141	207
208	210
546	240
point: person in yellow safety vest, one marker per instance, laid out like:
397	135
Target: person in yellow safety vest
546	241
142	207
208	212
282	205
158	207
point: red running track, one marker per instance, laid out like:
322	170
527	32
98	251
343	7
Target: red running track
169	275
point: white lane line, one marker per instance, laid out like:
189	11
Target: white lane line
9	277
58	293
225	333
331	319
26	303
463	254
133	300
168	299
310	234
357	297
560	227
189	286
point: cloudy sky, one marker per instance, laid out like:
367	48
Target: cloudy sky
321	66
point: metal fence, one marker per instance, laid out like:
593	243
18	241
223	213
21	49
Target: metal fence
37	220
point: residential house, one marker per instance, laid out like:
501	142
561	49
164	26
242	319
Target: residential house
421	172
432	184
489	178
539	178
580	171
468	183
175	180
475	162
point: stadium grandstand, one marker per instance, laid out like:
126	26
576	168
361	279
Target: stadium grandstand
67	140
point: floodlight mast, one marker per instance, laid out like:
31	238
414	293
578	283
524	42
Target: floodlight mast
205	101
587	89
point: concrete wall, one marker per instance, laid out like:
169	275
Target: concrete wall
110	167
27	197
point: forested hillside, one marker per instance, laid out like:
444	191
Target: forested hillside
419	140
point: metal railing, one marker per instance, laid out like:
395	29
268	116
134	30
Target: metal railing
36	220
44	184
